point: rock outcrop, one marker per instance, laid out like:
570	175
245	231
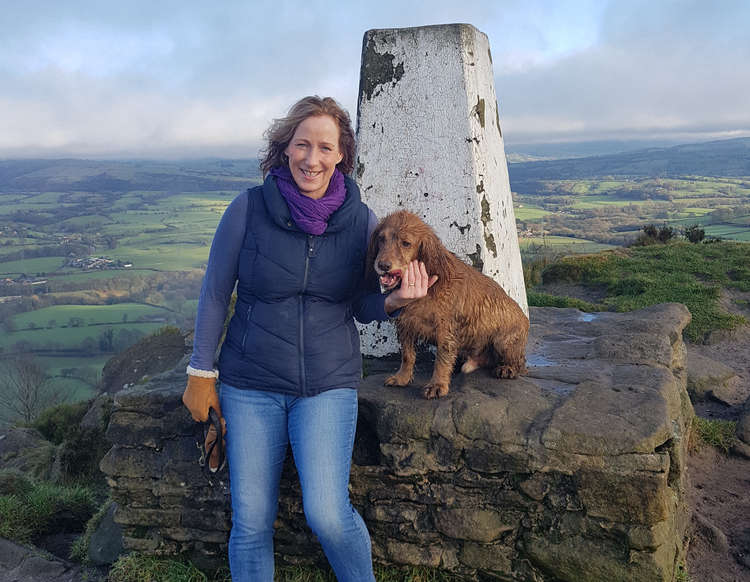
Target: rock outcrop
151	355
26	450
708	378
24	564
575	472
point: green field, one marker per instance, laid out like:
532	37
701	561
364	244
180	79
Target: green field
529	212
80	275
730	232
55	365
75	374
563	244
611	210
69	337
74	389
31	266
89	314
586	202
71	325
166	232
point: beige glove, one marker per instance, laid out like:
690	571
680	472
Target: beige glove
199	396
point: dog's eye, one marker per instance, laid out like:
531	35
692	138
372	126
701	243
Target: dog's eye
405	244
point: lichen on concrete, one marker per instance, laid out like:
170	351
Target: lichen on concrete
478	110
461	229
486	218
378	69
489	240
476	259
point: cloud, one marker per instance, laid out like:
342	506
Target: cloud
172	78
657	67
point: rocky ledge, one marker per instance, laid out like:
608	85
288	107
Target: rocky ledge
574	472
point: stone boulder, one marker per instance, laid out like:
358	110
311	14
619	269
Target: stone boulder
105	543
26	450
708	378
24	564
575	472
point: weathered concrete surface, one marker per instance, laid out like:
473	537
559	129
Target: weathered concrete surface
429	140
575	472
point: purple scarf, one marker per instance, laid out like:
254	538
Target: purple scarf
310	215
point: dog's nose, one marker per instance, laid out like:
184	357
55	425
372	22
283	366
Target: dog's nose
383	266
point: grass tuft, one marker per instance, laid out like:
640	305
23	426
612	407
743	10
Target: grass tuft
716	433
682	573
60	422
44	508
139	568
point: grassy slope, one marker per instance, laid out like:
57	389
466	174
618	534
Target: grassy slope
681	272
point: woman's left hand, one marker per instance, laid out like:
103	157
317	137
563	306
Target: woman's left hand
414	285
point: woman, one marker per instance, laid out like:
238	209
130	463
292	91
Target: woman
290	362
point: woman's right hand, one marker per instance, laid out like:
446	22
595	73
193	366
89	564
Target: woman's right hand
199	396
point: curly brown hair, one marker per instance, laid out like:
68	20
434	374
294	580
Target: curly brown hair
281	132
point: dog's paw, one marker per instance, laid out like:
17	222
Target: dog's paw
506	372
430	391
397	380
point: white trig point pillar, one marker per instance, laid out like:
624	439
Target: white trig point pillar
429	141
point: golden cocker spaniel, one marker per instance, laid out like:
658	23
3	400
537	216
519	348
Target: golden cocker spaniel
465	314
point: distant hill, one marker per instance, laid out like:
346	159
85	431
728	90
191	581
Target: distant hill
581	149
69	175
723	158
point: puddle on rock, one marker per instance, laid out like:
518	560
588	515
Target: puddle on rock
538	360
555	386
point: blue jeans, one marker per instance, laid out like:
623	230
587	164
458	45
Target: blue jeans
321	431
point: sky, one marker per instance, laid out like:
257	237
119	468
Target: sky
185	78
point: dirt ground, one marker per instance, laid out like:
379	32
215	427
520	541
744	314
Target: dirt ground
719	495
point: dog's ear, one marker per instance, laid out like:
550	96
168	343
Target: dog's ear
373	247
435	256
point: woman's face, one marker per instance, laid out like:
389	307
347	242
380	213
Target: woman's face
313	153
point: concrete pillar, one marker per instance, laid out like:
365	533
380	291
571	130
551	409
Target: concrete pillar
429	140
